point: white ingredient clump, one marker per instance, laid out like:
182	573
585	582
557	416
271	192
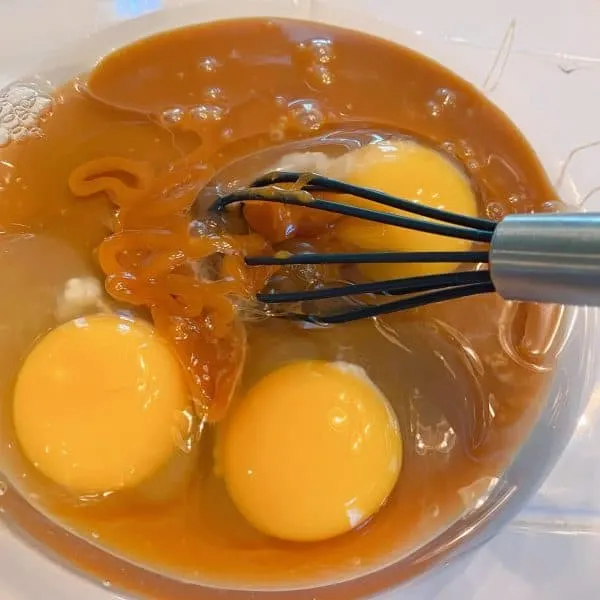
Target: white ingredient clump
339	167
311	162
342	166
80	295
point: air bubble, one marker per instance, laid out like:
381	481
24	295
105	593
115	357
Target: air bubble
462	152
227	134
322	50
209	64
515	199
19	133
446	98
3	488
320	76
553	206
9	119
434	109
449	147
106	583
495	211
172	115
213	93
22	106
306	115
208	112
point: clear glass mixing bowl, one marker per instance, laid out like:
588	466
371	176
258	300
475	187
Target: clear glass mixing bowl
573	377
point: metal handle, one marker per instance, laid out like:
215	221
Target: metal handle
548	258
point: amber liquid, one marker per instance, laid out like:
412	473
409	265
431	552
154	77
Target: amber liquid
463	402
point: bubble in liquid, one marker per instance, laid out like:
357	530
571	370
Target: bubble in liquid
321	50
172	115
209	64
213	93
434	109
446	98
319	76
306	115
19	133
318	50
3	488
22	107
495	211
515	199
553	206
461	151
10	119
208	112
449	147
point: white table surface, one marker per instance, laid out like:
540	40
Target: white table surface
551	550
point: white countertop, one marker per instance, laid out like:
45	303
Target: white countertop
551	549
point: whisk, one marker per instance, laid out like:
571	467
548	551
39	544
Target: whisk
545	258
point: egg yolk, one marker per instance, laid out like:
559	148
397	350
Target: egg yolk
99	404
406	170
312	451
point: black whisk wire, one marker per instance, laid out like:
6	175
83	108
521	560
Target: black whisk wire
474	229
392	287
419	291
310	258
378	310
319	183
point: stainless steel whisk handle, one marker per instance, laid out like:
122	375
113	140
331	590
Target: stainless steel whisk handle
552	258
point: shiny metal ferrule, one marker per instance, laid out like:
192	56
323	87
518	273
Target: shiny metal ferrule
551	258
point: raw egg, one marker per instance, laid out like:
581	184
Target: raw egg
99	404
406	170
312	451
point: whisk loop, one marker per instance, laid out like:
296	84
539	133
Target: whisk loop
422	290
551	258
460	226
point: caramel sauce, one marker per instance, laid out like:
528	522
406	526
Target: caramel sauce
173	110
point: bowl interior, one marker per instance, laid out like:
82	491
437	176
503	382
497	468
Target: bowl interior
573	380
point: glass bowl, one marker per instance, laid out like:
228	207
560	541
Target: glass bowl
567	395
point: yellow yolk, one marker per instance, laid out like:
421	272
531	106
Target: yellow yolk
98	404
312	451
411	171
